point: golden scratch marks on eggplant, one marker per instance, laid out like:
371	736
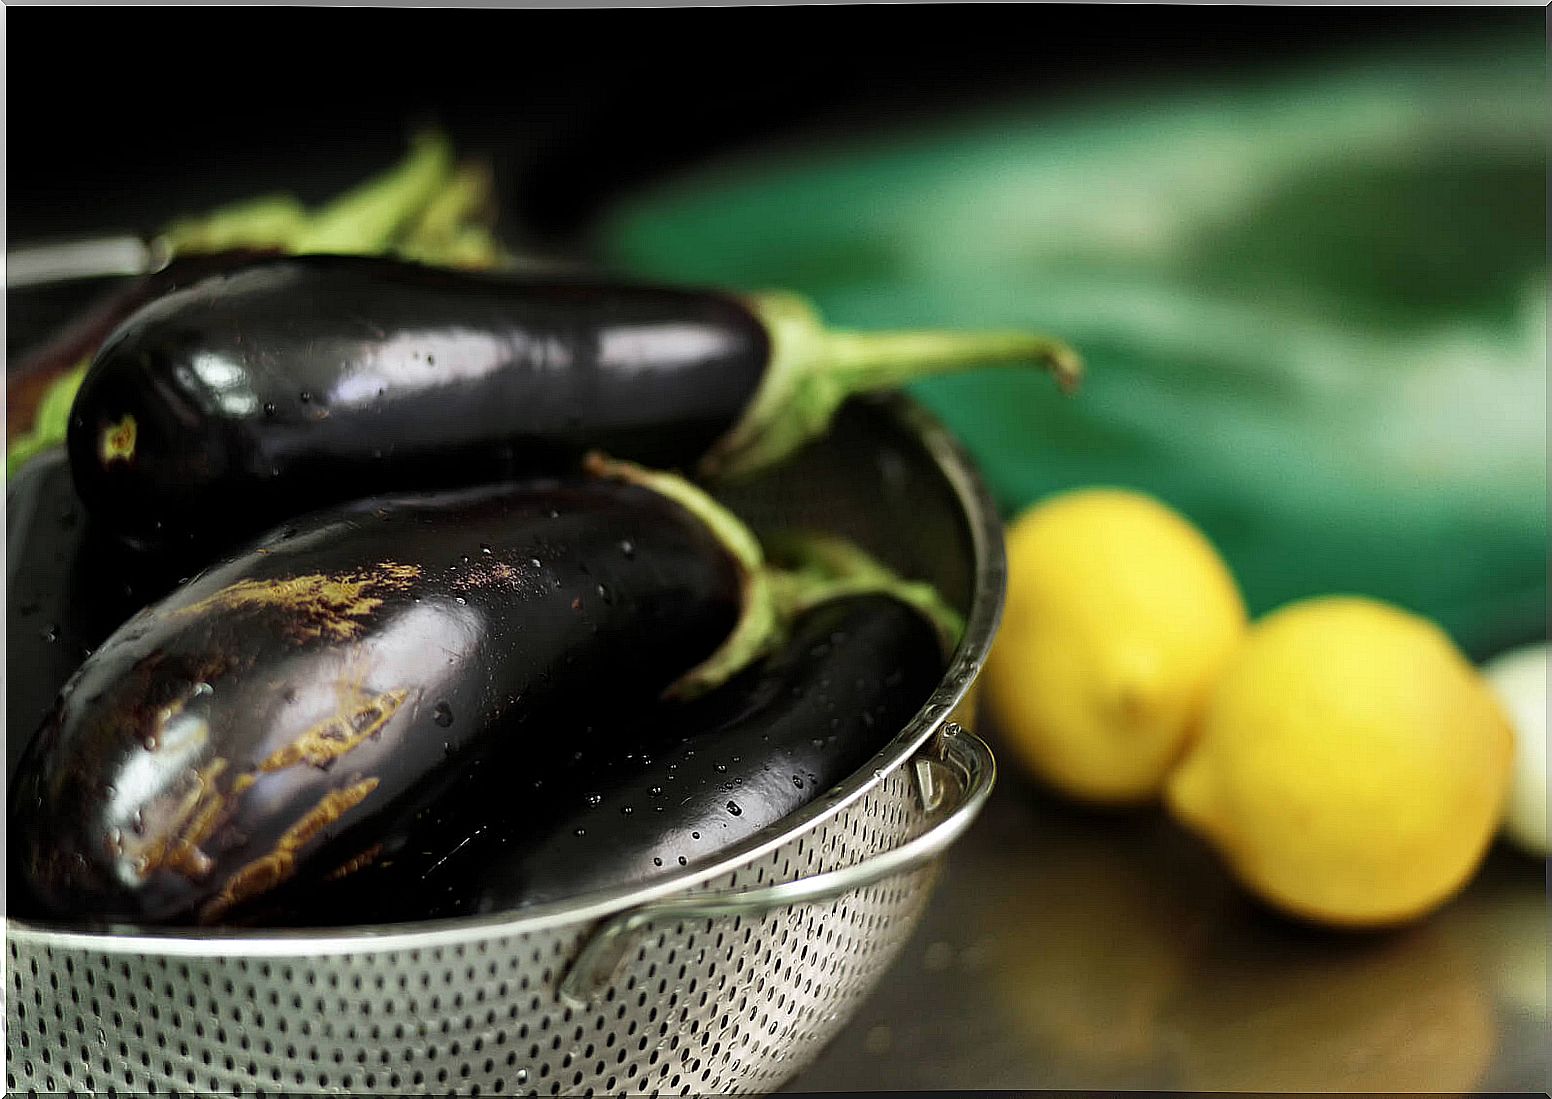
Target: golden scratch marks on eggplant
333	805
182	826
188	857
117	441
358	862
268	871
484	576
323	743
319	604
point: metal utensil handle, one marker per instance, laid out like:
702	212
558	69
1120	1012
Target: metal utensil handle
98	257
961	751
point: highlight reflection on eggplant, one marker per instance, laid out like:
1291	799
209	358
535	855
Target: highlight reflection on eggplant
295	381
663	791
302	700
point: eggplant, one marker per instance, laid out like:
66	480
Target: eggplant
68	586
309	696
29	375
293	382
674	789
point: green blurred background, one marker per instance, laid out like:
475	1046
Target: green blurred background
1302	249
1313	303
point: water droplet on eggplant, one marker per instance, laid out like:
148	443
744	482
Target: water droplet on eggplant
442	713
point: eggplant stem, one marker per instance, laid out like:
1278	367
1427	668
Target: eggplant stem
50	422
814	568
759	628
366	218
863	362
818	567
813	370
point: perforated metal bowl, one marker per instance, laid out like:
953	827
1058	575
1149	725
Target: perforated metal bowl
728	978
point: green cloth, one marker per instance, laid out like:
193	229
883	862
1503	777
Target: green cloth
1313	306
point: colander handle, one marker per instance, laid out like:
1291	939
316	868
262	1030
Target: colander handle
956	749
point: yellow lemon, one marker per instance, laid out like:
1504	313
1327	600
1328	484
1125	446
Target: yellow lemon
1351	765
1119	616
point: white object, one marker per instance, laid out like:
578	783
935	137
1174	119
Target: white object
1519	677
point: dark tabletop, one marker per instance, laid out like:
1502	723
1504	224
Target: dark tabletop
1070	950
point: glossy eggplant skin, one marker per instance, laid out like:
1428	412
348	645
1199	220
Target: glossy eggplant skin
679	787
293	382
68	586
308	696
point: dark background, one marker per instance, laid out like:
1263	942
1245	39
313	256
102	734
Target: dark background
129	116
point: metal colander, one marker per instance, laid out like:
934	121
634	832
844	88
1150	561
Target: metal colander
728	978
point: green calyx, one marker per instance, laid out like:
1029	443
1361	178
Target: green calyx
49	423
818	567
813	568
427	207
813	370
759	628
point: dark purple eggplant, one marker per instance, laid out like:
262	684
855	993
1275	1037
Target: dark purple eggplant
293	382
68	586
673	789
29	376
308	697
